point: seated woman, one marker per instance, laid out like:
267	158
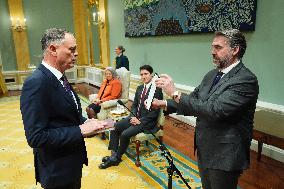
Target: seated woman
109	90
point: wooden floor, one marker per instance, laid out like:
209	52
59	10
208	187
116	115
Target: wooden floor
266	174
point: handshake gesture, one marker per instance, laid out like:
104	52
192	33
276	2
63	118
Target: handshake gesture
92	127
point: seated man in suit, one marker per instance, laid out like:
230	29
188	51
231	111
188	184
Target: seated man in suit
131	126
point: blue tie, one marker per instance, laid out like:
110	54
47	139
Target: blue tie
217	78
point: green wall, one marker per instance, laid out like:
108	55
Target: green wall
6	39
42	15
187	58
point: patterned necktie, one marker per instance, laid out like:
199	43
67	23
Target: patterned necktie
142	98
217	78
66	85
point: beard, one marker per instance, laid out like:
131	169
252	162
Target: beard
222	63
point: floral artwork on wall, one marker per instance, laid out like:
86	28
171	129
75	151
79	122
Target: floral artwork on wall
174	17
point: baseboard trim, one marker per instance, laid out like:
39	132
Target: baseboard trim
14	87
269	151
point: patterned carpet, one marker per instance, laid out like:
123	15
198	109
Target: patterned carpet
17	171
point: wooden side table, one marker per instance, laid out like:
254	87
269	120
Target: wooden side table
268	129
117	117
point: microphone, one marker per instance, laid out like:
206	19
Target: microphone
165	152
122	104
162	147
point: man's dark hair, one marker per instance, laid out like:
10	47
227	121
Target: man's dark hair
147	67
236	39
52	35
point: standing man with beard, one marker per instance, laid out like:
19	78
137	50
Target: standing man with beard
52	115
224	104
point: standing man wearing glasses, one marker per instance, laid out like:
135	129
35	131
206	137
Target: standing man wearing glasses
52	115
224	104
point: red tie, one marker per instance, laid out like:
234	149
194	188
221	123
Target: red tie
141	100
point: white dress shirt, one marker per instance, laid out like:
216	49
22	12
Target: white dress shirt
58	75
226	70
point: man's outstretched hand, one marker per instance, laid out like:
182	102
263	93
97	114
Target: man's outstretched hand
166	83
156	104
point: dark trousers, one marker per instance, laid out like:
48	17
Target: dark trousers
120	136
217	179
73	185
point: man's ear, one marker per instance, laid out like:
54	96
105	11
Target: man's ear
52	50
236	50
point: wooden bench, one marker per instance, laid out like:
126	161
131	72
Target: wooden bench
268	129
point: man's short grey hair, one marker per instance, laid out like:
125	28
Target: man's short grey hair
52	36
112	71
236	39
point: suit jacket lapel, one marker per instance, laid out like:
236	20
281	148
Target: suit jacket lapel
224	79
208	84
57	85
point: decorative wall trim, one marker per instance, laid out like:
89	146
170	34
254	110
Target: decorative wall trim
18	77
78	74
94	76
270	151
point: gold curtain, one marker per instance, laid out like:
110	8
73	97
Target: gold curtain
104	35
20	37
3	88
79	17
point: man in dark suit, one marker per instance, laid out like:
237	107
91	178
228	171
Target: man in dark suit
52	115
224	104
131	126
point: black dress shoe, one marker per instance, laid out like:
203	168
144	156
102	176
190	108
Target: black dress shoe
103	136
110	162
104	159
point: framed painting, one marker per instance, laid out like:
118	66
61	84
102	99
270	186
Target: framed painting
175	17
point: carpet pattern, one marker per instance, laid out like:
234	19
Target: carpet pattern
17	170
